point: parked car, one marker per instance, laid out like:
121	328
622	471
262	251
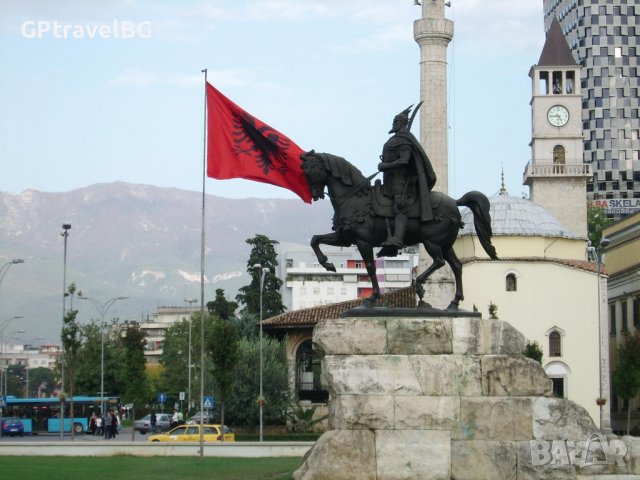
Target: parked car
208	417
191	433
11	426
163	420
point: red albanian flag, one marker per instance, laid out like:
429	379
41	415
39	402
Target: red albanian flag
241	146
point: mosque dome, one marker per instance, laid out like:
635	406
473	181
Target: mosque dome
514	216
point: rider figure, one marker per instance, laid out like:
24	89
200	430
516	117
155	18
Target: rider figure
405	164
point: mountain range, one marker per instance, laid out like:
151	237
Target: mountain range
138	241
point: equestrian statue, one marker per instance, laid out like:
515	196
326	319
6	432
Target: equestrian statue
401	211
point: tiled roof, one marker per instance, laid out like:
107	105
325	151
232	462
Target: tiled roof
579	264
401	298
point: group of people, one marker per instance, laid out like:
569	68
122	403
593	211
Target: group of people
106	426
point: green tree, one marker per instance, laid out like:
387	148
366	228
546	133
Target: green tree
88	371
16	379
248	326
533	350
221	307
247	388
175	357
626	376
263	253
131	374
41	381
223	349
71	342
596	221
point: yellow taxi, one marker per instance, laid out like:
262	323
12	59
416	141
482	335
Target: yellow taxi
191	433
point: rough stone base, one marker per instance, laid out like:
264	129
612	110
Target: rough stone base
450	398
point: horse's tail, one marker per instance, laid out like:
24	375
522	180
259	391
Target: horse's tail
479	205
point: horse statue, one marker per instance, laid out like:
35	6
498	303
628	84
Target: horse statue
364	216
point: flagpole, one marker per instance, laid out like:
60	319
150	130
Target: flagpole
204	176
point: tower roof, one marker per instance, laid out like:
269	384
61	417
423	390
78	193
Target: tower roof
518	217
556	51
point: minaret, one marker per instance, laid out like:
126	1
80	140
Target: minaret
433	33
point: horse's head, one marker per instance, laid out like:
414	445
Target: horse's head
315	172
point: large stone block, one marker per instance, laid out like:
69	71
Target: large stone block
499	337
413	454
426	413
448	375
513	375
558	418
351	336
532	467
340	455
362	412
465	337
494	418
482	460
419	336
370	375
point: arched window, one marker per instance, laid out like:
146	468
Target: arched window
511	282
555	344
558	155
308	383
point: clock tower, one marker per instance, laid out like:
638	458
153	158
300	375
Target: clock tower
556	174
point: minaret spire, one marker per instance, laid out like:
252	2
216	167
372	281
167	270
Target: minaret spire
433	32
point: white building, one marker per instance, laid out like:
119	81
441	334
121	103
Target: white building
155	328
307	283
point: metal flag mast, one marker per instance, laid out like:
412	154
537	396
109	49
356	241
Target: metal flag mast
202	237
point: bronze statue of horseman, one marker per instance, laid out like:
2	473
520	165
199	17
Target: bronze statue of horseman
393	216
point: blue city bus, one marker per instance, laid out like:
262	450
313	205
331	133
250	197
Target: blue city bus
42	415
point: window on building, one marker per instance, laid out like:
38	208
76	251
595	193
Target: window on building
511	282
623	315
612	319
558	155
558	387
555	344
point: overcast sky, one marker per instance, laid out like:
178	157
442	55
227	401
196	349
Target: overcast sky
329	74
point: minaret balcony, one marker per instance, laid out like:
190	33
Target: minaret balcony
556	170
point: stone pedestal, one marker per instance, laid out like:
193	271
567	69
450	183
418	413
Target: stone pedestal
449	398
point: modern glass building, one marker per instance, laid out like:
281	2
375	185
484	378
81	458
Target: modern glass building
604	38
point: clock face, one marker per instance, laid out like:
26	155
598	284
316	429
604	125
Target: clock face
558	116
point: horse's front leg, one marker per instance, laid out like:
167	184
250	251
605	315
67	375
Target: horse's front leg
332	239
366	252
435	252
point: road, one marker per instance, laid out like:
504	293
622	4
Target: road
124	435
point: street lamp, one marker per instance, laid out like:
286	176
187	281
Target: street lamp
598	252
189	301
102	309
5	268
65	234
264	270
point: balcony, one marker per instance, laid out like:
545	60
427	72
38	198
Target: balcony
556	170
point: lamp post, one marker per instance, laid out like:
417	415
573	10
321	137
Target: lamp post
102	309
5	267
599	251
65	234
189	301
263	271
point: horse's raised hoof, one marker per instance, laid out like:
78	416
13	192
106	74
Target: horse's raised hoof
329	267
